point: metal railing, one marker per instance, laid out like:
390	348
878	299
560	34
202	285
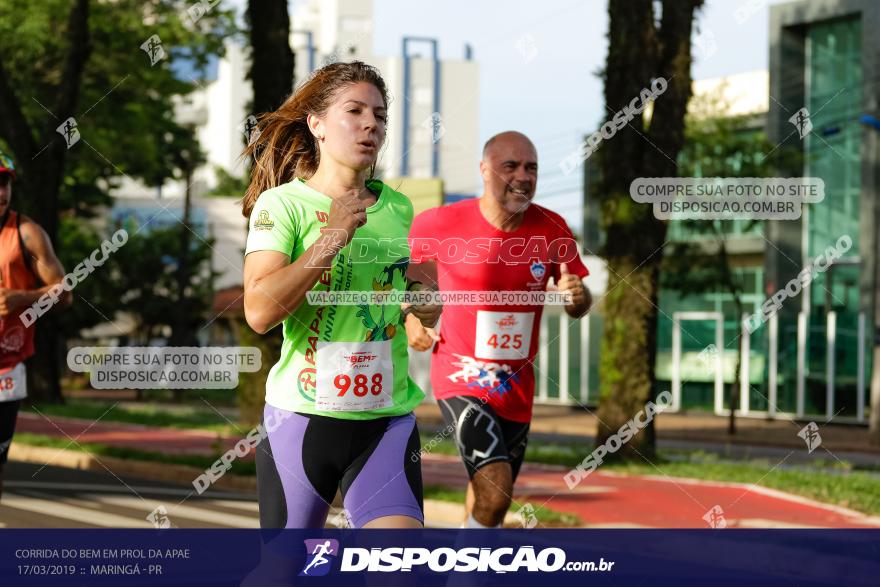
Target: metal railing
561	382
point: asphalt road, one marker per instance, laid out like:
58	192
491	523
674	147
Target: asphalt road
35	496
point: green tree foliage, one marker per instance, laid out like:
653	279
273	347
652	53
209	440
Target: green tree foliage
84	59
125	105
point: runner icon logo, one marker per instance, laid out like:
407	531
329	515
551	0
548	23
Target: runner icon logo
251	129
709	358
319	553
526	516
810	434
159	518
801	121
154	49
715	518
70	131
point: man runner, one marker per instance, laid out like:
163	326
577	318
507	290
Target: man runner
26	258
481	368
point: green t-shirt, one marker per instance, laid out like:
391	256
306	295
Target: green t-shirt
344	356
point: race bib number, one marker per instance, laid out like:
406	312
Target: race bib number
13	383
354	376
503	335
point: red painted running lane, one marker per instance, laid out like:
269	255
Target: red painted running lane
601	500
611	500
136	436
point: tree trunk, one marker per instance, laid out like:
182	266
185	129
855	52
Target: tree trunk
181	331
638	52
874	414
271	57
734	394
251	391
733	289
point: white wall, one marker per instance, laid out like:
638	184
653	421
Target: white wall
222	136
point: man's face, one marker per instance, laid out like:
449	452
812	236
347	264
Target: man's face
510	173
5	192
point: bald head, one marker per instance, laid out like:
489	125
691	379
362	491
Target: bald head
510	171
507	140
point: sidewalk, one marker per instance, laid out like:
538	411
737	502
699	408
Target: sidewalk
603	500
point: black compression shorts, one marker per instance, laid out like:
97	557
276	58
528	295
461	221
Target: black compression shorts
483	436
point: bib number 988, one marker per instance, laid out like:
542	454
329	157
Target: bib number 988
361	384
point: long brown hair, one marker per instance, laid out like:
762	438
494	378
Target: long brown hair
284	147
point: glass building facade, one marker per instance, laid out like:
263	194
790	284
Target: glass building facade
813	359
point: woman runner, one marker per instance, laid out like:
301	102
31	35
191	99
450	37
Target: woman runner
339	402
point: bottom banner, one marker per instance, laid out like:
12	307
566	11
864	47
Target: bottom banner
439	557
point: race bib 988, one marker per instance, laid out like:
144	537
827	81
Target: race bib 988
354	376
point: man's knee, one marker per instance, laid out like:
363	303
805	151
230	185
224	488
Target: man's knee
493	487
495	502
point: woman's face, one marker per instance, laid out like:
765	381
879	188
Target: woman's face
353	126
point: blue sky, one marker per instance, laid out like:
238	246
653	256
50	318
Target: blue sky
538	62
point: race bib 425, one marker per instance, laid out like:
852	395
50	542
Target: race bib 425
503	335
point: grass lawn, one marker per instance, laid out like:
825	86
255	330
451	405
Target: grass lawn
239	466
189	417
849	488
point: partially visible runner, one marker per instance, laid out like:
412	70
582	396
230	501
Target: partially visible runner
27	260
339	400
481	368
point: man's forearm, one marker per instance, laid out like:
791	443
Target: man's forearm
30	296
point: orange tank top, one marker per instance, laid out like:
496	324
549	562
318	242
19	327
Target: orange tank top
16	341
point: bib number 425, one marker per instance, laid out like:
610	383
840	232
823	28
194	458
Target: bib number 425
503	335
505	341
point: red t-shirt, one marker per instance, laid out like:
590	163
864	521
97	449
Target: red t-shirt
488	350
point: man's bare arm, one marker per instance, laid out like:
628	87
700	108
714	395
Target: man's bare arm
45	264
